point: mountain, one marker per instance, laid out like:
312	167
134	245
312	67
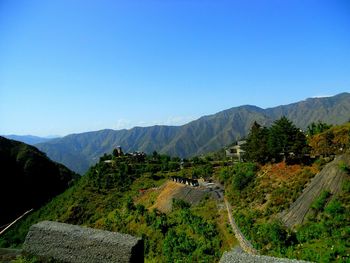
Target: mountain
28	179
332	110
208	133
28	139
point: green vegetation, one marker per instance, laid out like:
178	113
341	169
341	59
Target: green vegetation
256	147
119	194
319	203
344	167
316	128
335	140
27	259
282	141
107	198
324	235
238	176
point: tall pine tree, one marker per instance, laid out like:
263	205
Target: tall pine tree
286	141
256	146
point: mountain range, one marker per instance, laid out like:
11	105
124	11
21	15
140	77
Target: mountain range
206	134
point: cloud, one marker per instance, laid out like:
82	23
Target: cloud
322	96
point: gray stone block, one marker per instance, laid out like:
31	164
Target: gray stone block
71	243
241	257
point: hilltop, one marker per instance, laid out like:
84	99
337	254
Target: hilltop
207	134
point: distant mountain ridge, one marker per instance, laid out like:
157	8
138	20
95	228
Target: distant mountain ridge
208	133
28	139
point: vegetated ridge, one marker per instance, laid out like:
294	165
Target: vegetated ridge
208	133
28	179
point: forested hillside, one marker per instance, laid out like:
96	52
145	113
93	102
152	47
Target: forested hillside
119	193
28	179
207	134
279	203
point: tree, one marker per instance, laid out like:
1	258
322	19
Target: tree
316	128
256	147
286	141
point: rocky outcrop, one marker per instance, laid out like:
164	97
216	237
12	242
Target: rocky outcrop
70	243
330	179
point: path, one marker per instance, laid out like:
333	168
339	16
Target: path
244	243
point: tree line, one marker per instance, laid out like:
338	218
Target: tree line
284	141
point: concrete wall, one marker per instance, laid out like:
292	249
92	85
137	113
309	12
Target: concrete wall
71	243
243	242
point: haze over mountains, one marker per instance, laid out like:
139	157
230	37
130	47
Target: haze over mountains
208	133
29	139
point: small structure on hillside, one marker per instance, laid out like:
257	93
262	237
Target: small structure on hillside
139	156
236	151
183	180
118	152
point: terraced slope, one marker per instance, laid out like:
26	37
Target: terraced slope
330	179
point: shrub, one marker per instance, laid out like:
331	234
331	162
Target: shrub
224	174
244	173
180	204
346	186
274	233
320	202
344	167
334	207
310	231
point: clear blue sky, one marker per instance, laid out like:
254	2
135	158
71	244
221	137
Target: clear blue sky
69	66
